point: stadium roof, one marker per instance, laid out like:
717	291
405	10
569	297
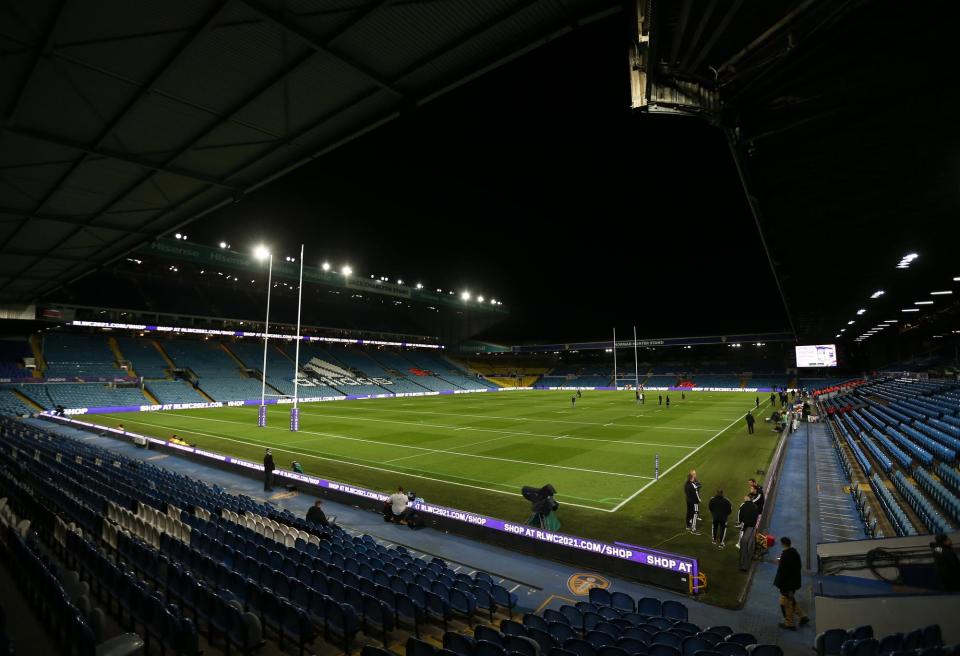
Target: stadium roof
844	126
122	121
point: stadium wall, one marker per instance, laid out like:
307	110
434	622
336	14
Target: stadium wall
671	571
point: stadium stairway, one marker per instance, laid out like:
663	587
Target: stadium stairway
36	347
542	584
810	506
118	354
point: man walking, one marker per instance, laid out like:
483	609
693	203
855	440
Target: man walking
788	582
750	421
268	468
720	509
692	491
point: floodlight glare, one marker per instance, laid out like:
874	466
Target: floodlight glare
479	299
877	294
923	302
261	252
850	323
493	301
419	285
465	296
860	311
223	244
944	293
178	236
346	270
325	266
910	310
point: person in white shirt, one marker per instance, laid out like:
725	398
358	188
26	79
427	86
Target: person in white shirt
393	509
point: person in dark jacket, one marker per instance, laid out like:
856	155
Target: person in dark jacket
751	420
756	494
268	468
720	509
946	561
788	582
692	491
316	515
746	516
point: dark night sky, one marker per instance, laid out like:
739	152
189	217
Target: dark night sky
536	184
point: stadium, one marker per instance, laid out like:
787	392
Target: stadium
489	328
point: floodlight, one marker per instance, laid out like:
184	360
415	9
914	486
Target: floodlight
860	311
325	266
850	323
178	236
877	294
399	282
346	270
891	321
943	293
465	296
419	285
910	310
493	301
923	302
223	244
911	257
479	299
261	252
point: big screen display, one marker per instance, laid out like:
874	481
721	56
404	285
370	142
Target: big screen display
817	355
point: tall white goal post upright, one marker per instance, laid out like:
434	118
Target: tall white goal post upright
615	359
295	410
262	253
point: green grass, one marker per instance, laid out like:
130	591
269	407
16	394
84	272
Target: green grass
475	451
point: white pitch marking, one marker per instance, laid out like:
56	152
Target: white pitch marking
677	463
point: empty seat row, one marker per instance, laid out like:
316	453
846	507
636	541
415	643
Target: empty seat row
934	522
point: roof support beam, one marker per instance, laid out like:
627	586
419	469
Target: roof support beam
35	58
712	41
160	71
758	221
240	105
77	220
701	26
680	31
100	152
311	41
59	256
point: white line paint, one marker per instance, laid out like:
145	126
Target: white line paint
319	456
679	462
424	448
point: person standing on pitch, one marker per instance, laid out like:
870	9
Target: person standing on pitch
668	400
573	401
758	402
268	468
660	399
683	396
788	582
637	394
773	399
750	421
579	394
720	509
692	491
